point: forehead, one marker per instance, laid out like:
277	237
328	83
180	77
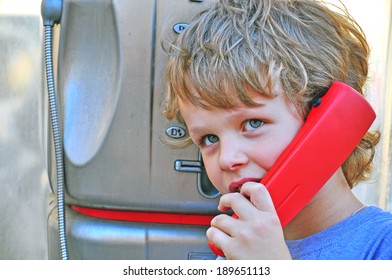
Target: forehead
227	94
190	111
222	94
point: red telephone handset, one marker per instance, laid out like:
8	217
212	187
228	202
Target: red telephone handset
331	132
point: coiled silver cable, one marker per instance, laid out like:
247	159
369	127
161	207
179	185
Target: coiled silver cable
57	139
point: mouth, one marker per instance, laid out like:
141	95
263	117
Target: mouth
236	185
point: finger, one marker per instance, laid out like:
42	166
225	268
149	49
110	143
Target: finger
233	201
224	223
259	196
218	238
240	204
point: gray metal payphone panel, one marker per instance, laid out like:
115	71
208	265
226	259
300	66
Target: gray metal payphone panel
110	65
109	91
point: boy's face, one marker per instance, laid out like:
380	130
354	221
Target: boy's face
241	144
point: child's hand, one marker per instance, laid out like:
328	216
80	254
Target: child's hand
256	234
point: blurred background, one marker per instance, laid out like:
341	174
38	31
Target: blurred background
24	184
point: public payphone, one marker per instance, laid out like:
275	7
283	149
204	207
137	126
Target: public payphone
127	194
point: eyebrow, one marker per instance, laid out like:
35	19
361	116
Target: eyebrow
237	112
197	131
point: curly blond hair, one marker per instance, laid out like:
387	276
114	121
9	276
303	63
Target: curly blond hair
304	45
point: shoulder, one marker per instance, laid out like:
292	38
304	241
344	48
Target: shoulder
375	225
363	236
373	214
373	219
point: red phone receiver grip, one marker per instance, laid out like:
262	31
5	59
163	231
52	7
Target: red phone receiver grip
331	132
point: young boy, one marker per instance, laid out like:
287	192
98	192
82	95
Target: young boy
241	79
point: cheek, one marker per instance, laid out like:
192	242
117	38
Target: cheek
214	173
266	155
274	148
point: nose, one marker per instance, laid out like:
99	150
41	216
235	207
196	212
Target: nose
232	155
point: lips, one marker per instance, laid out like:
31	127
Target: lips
236	186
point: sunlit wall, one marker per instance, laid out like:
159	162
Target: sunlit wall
23	178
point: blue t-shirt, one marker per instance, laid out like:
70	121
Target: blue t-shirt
366	235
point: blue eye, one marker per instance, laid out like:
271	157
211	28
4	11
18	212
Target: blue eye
252	124
209	139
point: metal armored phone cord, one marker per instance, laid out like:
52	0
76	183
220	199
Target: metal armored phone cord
51	13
